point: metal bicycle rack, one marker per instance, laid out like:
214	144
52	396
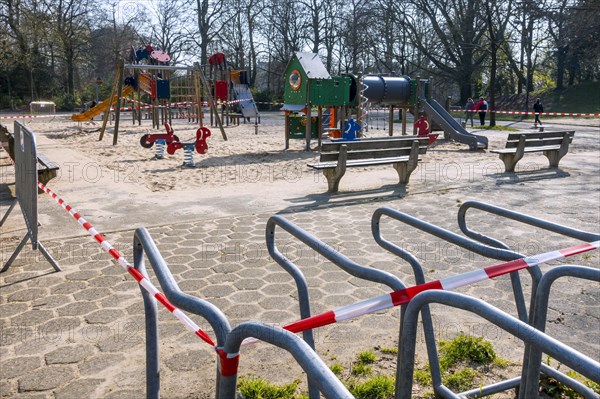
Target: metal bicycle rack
526	333
528	382
343	262
228	340
466	243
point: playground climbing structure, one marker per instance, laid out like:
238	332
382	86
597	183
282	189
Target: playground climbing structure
308	84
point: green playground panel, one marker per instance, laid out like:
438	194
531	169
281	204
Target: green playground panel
298	127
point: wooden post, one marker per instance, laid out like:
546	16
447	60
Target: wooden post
404	121
211	100
112	95
118	110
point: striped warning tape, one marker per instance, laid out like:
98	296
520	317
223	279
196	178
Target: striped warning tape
544	113
143	281
28	116
402	297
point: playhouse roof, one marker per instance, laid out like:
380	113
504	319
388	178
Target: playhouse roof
312	65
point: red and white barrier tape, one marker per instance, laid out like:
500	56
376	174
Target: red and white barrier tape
402	297
28	116
543	113
143	281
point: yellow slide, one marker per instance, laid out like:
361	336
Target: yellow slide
103	106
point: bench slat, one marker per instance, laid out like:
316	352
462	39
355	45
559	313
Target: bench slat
537	142
360	162
371	144
370	154
540	135
527	149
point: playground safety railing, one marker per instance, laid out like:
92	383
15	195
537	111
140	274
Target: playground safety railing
335	257
519	329
228	340
531	371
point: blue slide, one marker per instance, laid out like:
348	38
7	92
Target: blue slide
450	126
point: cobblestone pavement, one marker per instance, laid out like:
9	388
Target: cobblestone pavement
79	333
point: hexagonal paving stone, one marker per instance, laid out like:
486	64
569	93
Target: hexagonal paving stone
69	354
249	284
45	378
188	360
18	366
28	294
104	316
92	294
51	301
77	308
243	311
107	281
98	363
82	275
68	287
10	309
217	291
82	388
125	394
32	317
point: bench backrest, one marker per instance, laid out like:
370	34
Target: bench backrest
373	148
539	139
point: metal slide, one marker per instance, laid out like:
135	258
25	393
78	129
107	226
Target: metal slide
103	106
440	116
246	101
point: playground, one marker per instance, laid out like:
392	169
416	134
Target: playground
80	332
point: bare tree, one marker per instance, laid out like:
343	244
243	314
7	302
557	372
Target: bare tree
498	14
450	34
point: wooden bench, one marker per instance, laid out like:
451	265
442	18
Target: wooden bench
46	169
401	152
554	145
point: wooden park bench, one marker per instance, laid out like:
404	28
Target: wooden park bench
554	145
46	169
401	152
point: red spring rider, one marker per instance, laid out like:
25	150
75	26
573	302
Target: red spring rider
201	146
147	140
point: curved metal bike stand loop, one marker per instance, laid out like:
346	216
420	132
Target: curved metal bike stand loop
343	262
228	340
526	333
542	224
530	379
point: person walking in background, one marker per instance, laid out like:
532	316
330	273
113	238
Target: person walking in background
538	108
469	109
481	107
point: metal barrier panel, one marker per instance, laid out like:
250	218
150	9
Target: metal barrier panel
26	188
26	178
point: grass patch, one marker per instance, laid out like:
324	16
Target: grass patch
556	390
422	376
366	357
465	348
389	351
378	387
361	369
337	369
461	380
258	388
497	127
